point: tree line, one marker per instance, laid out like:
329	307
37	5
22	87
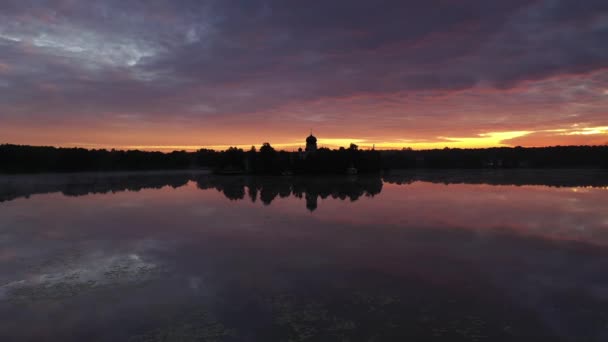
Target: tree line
499	158
267	160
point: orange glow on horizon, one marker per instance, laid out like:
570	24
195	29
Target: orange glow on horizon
491	139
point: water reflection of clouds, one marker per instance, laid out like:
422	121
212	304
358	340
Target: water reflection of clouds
507	243
69	273
553	212
203	211
129	204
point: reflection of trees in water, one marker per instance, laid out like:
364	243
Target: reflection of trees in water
267	189
130	183
557	178
87	183
232	187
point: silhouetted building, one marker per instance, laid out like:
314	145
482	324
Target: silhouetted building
311	143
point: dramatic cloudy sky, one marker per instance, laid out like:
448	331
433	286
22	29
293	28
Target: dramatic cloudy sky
164	74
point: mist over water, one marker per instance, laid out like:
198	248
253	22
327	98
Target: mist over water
454	256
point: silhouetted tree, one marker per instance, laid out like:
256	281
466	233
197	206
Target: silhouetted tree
233	158
267	162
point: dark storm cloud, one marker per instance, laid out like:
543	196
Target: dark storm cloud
310	50
226	57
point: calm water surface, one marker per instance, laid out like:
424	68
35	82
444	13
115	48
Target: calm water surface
449	256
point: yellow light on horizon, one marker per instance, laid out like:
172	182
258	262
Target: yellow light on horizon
491	139
588	131
483	140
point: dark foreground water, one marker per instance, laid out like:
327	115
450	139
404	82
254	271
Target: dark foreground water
443	256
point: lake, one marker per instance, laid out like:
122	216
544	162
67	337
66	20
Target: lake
417	256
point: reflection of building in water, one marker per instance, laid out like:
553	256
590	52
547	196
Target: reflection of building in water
311	201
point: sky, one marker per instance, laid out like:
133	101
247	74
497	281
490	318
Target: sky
186	74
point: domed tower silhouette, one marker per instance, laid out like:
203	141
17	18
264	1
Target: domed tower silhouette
311	143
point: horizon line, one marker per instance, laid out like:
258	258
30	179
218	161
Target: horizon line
220	148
